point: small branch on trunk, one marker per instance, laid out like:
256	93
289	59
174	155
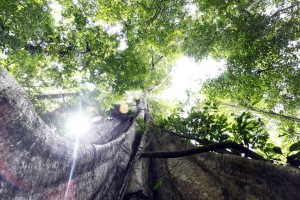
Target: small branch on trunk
203	149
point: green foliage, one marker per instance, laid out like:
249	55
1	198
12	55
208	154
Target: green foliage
142	125
251	132
84	47
158	185
210	123
261	50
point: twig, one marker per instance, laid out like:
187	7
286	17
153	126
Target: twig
284	9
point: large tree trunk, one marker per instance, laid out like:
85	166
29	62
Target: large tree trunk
36	163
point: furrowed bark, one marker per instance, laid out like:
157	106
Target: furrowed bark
219	176
36	163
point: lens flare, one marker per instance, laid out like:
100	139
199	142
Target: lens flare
124	108
77	125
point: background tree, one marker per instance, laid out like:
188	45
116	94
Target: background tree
261	51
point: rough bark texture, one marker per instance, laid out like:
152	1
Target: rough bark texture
35	163
220	176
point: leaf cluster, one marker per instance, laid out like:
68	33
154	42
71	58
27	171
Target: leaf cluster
208	123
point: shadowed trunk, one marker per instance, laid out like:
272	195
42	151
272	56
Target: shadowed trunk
36	163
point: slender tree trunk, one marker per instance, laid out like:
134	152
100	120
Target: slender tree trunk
252	5
295	119
36	163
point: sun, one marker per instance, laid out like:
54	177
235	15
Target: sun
78	125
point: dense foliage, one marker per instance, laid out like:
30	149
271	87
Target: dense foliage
209	124
125	47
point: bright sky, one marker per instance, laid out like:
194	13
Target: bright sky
189	75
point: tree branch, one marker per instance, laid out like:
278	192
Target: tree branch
54	96
158	11
154	63
252	5
284	9
159	84
158	60
295	119
203	149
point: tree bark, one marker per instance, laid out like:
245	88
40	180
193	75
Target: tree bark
36	163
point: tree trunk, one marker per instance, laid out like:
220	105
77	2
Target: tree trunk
271	113
36	163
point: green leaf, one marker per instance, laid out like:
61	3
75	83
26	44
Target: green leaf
277	150
295	146
158	185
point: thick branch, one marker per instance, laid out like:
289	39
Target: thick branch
54	96
203	149
62	51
